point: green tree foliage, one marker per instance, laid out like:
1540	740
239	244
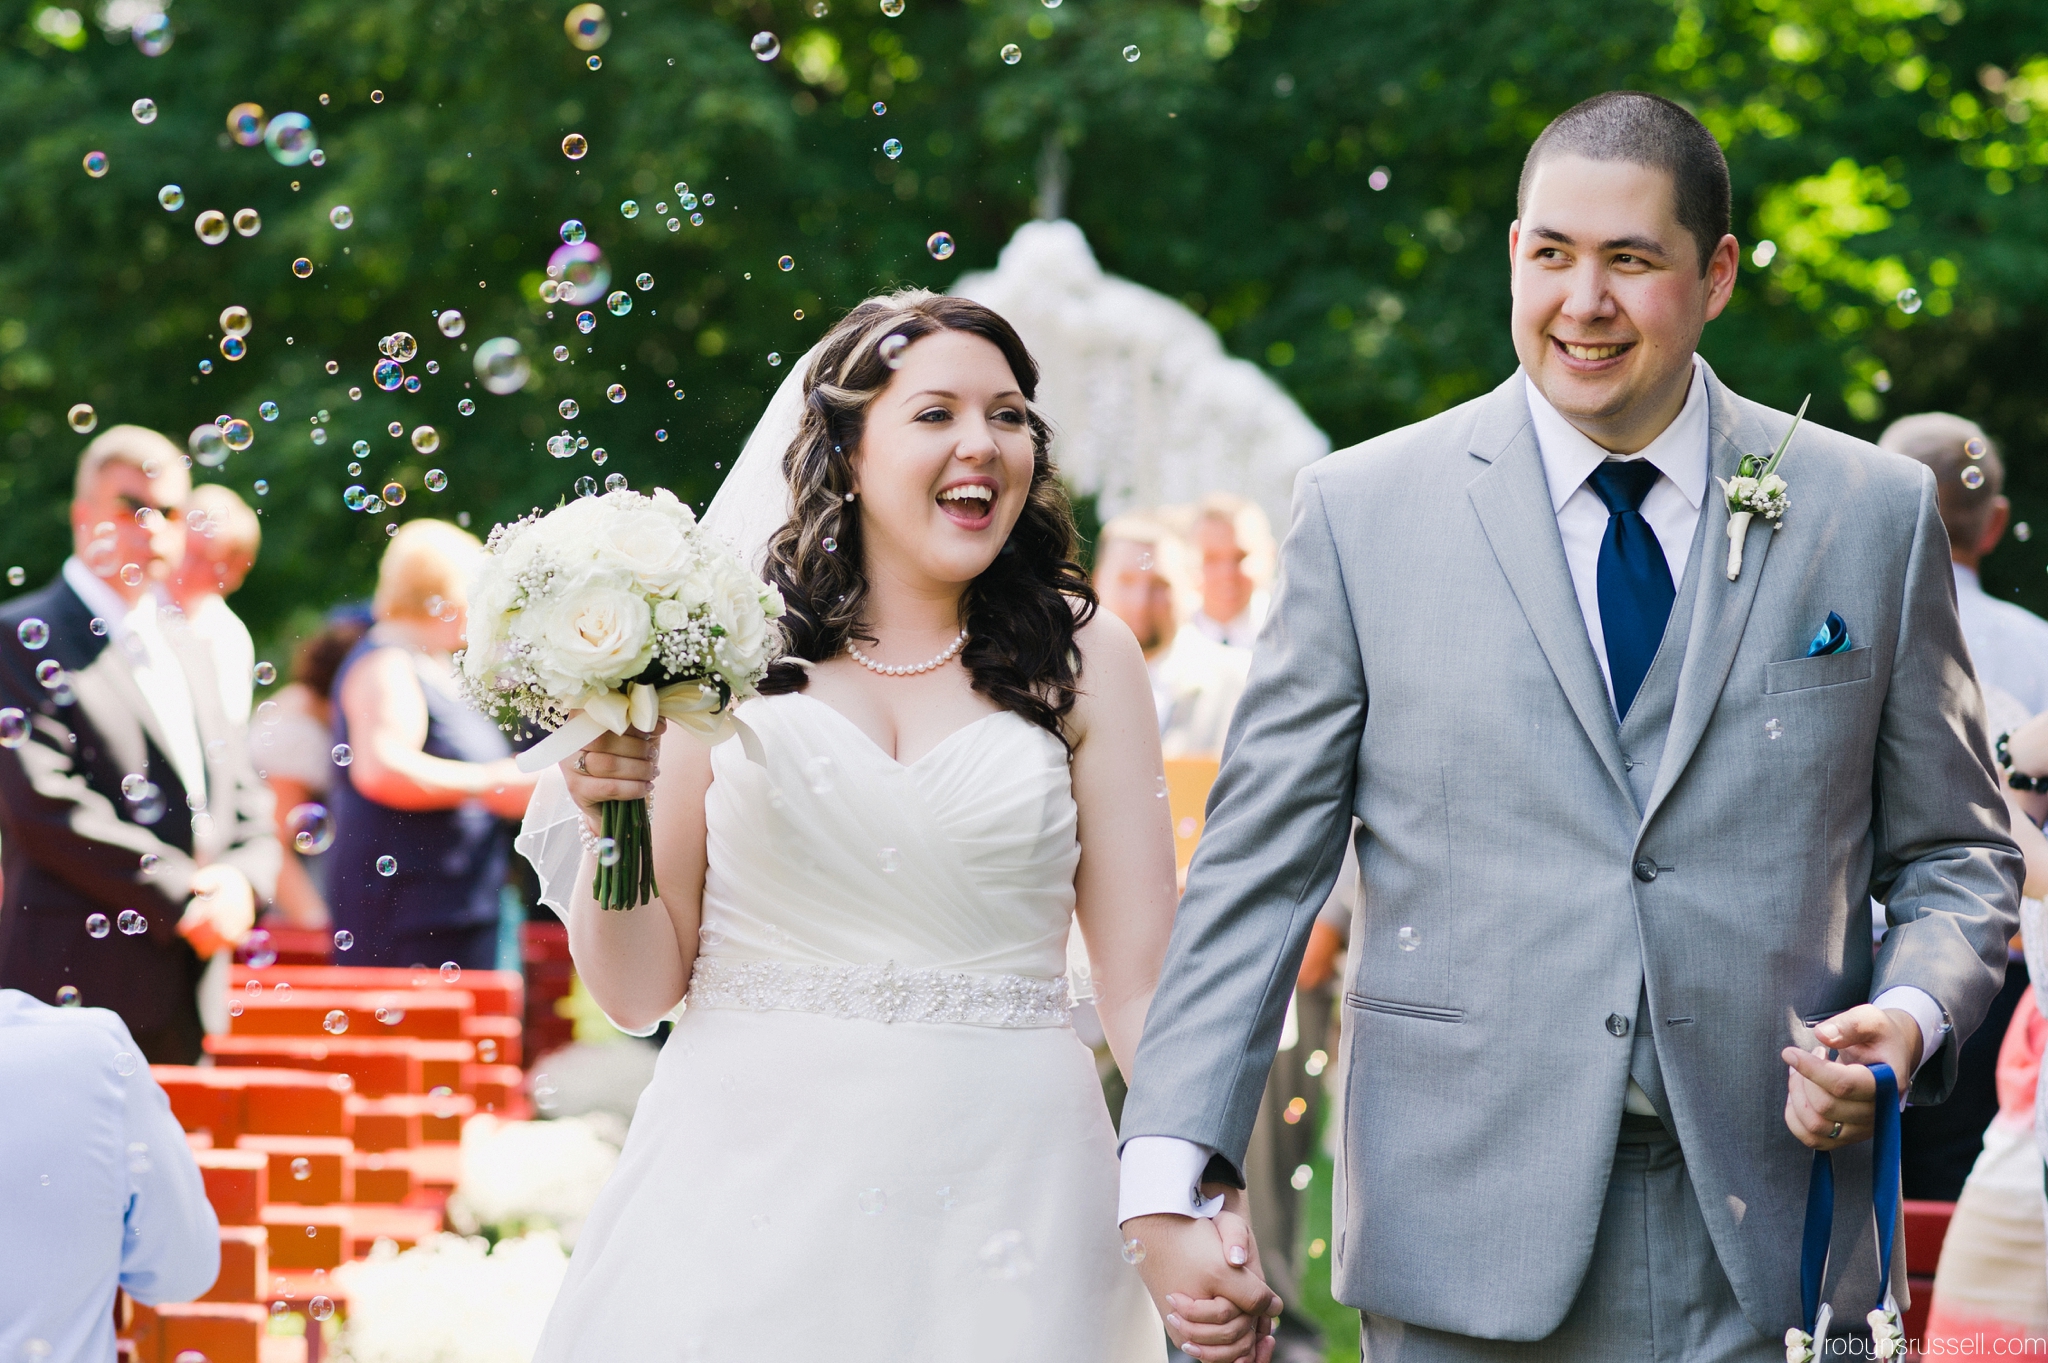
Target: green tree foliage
1328	183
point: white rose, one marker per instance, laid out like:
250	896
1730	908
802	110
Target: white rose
670	615
641	541
593	631
736	608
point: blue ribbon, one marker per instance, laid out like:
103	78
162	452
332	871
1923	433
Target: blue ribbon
1884	1198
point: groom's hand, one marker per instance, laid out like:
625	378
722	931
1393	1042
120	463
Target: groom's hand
1821	1092
1205	1280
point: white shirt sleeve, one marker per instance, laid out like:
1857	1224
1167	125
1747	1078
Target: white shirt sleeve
170	1247
1925	1011
1163	1175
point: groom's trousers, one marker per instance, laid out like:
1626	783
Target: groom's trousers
1654	1292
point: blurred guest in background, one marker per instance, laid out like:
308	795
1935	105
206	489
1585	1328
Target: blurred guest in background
221	538
420	846
1235	544
136	835
2008	643
1141	571
295	755
2009	646
102	1190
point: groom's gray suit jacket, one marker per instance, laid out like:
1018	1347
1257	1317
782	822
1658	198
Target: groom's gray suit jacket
1426	668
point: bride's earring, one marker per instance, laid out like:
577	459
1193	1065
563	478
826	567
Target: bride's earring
847	498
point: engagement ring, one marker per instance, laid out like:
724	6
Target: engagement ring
1836	1134
581	770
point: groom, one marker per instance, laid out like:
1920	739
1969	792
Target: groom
1618	814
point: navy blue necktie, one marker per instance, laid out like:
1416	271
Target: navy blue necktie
1635	581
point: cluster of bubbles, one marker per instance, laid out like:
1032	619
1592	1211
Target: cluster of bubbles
1973	473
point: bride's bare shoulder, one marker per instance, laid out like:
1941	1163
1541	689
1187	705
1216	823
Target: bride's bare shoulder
1112	678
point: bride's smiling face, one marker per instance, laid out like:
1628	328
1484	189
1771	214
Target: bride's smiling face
944	462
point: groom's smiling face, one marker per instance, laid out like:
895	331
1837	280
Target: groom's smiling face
1610	297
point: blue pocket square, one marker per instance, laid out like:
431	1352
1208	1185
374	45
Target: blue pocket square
1833	638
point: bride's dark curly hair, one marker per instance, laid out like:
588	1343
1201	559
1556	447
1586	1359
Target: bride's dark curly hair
1021	612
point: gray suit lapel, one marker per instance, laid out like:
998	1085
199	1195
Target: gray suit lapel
1512	499
1721	610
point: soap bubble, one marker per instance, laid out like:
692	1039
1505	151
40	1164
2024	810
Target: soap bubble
387	865
245	124
149	863
207	445
96	164
82	418
212	226
586	322
561	352
50	673
318	158
617	392
1974	448
171	197
561	446
466	407
1909	301
774	360
1134	1251
586	486
940	244
67	996
879	108
872	1201
388	375
341	754
426	440
16	576
397	428
394	494
435	479
619	303
131	923
572	231
302	267
320	1308
629	209
14	728
233	347
890	349
267	410
376	96
248	222
1005	1256
450	322
1012	54
450	972
892	149
344	939
501	365
607	850
1131	53
785	264
265	674
289	139
582	272
403	346
335	1023
766	46
1973	477
615	482
1408	938
144	110
341	215
587	27
892	8
312	828
96	925
236	433
575	146
568	408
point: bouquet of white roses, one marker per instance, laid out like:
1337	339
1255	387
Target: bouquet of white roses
609	613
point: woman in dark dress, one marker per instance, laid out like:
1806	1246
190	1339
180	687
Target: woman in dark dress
420	842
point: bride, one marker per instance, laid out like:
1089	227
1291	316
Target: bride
872	1129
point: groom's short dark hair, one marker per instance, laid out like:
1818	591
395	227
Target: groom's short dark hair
1628	125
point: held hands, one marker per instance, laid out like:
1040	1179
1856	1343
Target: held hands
1822	1092
1205	1280
222	909
613	767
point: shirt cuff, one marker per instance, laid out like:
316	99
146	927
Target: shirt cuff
1934	1026
1163	1175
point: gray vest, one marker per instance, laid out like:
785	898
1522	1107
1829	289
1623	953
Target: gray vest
1642	747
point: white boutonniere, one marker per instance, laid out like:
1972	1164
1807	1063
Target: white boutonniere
1887	1336
1756	490
1800	1347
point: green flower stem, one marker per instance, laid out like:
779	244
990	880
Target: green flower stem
629	881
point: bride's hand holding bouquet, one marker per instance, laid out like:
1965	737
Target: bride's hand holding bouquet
602	619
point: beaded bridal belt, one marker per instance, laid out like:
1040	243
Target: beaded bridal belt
881	993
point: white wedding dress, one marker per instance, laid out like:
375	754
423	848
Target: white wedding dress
872	1134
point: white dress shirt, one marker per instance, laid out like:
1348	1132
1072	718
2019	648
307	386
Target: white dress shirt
214	623
1242	629
97	1184
2008	643
138	633
1163	1173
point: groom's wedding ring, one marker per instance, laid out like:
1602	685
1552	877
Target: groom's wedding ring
1836	1134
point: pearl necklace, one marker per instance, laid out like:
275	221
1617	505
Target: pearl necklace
881	670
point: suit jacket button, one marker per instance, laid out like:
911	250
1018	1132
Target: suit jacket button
1646	870
1616	1023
